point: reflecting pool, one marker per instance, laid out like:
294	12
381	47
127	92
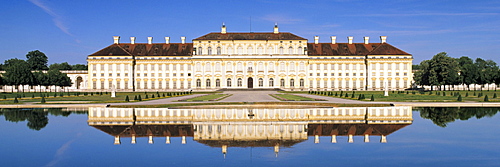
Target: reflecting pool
250	136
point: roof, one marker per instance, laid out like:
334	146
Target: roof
250	36
353	129
355	49
144	49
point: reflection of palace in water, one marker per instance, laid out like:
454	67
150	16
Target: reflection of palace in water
245	127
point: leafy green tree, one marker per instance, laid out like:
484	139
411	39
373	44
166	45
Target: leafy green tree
60	66
468	71
79	67
37	60
18	72
55	77
488	71
441	70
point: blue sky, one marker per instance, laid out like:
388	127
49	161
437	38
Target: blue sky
68	31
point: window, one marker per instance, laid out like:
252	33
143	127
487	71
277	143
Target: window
219	51
198	83
299	50
260	50
332	74
292	82
271	82
240	81
200	51
209	51
250	50
208	83
229	82
261	82
290	50
301	83
217	83
94	67
281	50
317	74
282	82
240	50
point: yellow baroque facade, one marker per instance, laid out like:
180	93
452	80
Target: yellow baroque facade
255	60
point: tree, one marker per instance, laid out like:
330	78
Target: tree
487	71
37	60
439	71
468	71
18	72
58	79
79	67
61	66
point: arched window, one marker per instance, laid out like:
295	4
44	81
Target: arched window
301	82
240	50
229	82
240	82
209	51
198	83
282	66
281	50
249	50
261	82
271	82
292	82
282	82
217	83
229	50
219	52
290	50
200	51
208	67
260	50
208	83
269	50
299	50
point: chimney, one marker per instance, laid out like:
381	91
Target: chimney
350	39
367	138
150	40
383	139
316	39
132	40
183	40
367	39
167	40
116	39
383	39
334	39
276	28
223	29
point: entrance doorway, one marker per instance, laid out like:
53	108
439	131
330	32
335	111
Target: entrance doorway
79	81
250	82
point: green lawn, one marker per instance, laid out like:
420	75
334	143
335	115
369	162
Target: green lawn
415	96
96	97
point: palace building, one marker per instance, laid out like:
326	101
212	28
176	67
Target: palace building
249	60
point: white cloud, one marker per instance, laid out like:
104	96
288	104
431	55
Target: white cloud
57	19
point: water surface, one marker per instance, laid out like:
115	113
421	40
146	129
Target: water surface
251	137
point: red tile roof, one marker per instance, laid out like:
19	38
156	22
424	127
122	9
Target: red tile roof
355	49
144	49
250	36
